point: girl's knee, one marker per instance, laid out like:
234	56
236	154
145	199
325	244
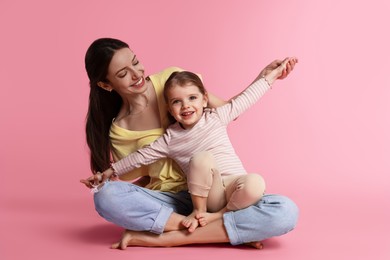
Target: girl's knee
255	185
202	158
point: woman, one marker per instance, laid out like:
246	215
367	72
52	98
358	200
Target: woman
126	112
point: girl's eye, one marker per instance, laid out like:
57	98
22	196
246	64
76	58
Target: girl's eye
175	102
193	97
136	62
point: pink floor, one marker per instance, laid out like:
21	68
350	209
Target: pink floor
320	137
60	227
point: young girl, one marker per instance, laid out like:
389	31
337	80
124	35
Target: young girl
221	183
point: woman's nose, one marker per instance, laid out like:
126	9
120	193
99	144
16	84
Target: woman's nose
136	74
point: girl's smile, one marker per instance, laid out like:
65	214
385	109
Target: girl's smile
186	103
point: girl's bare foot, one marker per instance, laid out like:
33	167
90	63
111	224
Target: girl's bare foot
190	222
205	218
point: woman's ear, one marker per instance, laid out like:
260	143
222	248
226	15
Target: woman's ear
104	86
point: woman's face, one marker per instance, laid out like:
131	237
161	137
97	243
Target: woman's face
126	73
186	103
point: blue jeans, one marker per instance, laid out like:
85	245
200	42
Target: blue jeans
139	209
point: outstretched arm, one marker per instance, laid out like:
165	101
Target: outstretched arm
288	68
278	69
144	156
255	91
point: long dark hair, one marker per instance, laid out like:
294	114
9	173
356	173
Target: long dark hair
103	105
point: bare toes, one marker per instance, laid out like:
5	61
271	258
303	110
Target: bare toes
202	222
116	245
187	222
257	245
193	226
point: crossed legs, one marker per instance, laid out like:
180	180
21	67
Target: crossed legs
213	195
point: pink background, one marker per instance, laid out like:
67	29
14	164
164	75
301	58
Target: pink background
320	137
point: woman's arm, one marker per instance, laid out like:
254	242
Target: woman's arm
215	101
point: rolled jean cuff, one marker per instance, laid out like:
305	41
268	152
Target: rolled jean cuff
230	226
161	220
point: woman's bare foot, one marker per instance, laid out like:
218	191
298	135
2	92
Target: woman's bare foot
257	244
190	222
137	238
124	242
173	238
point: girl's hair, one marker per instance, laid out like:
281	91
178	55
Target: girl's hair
103	105
182	78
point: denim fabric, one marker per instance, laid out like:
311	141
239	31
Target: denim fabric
273	215
140	209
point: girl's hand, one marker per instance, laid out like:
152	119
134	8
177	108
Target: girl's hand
98	178
107	174
289	67
278	69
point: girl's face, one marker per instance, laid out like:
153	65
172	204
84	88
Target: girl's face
186	103
125	73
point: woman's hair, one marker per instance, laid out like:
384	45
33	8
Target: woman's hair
103	105
182	78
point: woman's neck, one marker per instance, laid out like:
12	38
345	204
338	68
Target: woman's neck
136	103
140	112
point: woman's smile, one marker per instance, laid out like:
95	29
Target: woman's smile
139	84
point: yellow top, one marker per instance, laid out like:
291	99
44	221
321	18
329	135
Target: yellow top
165	174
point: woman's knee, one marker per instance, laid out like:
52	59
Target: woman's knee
110	197
286	215
104	197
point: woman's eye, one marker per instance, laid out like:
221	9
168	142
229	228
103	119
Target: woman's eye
122	75
136	62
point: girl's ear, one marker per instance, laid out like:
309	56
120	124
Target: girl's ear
205	99
104	86
169	109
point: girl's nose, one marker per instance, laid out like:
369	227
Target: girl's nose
184	104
